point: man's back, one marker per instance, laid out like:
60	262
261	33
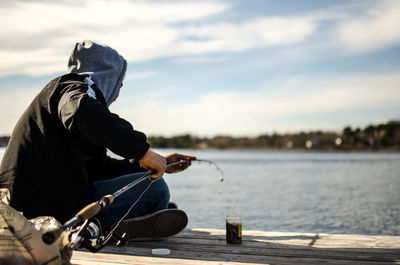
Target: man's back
43	161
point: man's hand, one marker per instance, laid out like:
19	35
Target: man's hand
155	163
171	158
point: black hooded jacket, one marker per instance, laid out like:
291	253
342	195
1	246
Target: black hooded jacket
58	148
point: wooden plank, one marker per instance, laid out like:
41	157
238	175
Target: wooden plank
85	258
318	241
302	239
266	250
142	256
207	246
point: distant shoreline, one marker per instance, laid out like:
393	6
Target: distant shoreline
379	137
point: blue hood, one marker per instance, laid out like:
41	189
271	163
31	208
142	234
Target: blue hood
104	65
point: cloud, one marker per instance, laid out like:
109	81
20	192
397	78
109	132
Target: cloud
139	75
39	35
13	102
378	28
34	62
239	113
256	112
43	33
200	59
251	34
51	16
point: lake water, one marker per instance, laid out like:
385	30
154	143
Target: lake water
332	192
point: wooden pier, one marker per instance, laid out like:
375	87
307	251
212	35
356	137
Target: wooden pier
208	246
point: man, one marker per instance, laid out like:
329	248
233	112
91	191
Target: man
56	162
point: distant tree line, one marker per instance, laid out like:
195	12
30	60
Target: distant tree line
373	137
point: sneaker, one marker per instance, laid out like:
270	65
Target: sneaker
155	226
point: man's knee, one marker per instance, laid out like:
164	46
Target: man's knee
160	188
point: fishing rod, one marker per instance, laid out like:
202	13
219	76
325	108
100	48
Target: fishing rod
88	234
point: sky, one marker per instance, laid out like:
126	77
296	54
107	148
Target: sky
240	67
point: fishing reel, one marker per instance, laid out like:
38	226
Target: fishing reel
83	230
90	236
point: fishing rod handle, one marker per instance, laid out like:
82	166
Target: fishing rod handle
94	208
88	212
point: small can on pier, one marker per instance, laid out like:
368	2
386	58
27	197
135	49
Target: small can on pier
234	229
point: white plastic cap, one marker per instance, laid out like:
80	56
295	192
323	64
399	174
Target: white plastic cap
160	251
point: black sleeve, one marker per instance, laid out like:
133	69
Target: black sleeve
111	168
92	120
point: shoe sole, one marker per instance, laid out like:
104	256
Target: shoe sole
156	226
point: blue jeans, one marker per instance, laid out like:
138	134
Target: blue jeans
154	199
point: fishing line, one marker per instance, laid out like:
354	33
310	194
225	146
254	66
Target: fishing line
148	176
214	164
108	237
